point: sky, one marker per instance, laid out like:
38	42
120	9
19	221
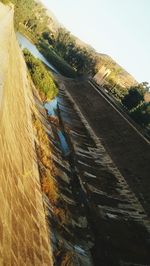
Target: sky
119	28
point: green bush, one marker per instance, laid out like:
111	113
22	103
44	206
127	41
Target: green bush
42	79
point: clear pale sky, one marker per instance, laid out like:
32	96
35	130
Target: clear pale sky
119	28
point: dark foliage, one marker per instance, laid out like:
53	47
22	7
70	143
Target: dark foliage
133	98
142	114
64	68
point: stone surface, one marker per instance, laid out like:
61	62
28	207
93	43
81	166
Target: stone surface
23	227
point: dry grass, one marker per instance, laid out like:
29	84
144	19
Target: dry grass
64	257
48	173
46	165
67	259
50	189
62	215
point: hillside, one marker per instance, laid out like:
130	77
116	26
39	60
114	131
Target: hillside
119	74
122	77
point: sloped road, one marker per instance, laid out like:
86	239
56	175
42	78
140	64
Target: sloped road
129	151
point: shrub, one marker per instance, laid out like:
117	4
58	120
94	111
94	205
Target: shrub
133	98
42	79
142	114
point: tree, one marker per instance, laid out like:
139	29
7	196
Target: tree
47	35
65	46
40	19
133	98
142	114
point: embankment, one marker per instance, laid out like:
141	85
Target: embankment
23	230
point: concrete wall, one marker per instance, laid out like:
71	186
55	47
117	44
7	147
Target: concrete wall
23	231
101	75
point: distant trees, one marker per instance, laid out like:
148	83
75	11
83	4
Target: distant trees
133	99
41	77
5	1
30	15
62	40
62	66
78	57
64	44
142	114
49	37
37	23
32	20
23	11
118	91
134	102
135	95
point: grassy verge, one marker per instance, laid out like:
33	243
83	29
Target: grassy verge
62	66
41	77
